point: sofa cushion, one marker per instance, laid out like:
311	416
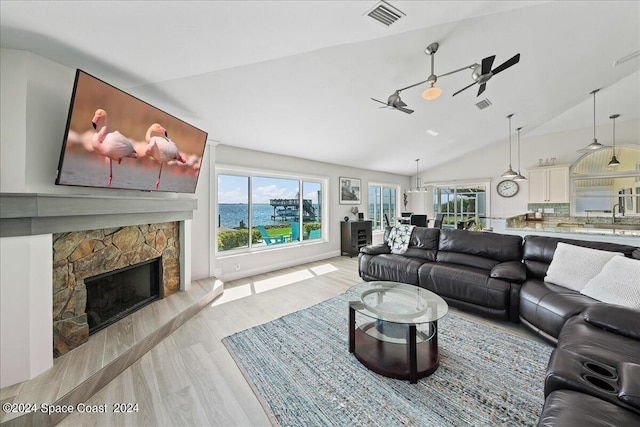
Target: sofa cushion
493	246
573	266
538	251
510	270
629	383
390	267
617	283
375	249
423	244
621	320
572	408
468	284
547	307
584	338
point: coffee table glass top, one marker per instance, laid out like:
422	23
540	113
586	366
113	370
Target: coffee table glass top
400	303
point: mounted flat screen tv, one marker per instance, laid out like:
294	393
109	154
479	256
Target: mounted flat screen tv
115	140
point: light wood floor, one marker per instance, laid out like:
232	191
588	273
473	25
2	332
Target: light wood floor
189	378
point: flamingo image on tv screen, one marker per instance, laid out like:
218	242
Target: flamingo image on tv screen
115	140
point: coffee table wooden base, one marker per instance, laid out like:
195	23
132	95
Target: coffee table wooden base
407	361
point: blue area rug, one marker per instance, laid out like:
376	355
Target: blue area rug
301	370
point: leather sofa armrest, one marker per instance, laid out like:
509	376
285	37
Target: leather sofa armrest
614	318
375	249
629	374
510	270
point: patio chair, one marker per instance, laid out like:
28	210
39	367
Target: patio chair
315	234
269	240
295	231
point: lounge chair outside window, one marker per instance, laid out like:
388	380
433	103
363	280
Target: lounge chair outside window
269	240
315	234
295	231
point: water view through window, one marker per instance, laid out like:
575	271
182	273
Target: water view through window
258	211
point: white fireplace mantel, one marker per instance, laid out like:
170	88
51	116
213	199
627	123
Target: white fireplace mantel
31	214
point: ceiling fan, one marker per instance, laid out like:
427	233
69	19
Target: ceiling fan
395	102
482	73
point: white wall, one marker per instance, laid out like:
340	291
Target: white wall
27	304
261	261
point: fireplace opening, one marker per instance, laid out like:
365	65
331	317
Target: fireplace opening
114	295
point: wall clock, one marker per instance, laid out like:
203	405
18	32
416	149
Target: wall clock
507	188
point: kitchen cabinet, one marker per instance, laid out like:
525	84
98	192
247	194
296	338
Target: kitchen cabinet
549	184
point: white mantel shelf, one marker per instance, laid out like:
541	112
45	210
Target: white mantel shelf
31	214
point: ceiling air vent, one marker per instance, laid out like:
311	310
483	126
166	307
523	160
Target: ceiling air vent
384	13
483	104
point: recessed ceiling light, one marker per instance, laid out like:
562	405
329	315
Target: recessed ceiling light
432	132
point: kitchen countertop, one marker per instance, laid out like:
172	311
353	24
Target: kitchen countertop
551	226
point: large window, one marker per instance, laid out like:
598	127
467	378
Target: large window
382	201
463	205
261	211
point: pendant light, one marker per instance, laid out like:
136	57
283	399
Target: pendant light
509	173
519	177
418	188
594	144
614	160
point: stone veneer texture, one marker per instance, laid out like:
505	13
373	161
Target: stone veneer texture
81	254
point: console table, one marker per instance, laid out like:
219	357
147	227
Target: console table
354	235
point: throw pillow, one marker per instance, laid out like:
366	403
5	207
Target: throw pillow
617	283
573	266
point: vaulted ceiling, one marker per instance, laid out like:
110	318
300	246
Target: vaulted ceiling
296	77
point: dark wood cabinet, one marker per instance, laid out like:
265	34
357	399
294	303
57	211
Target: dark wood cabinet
354	235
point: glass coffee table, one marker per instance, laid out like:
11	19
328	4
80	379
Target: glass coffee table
393	329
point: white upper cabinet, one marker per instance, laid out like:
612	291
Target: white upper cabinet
549	185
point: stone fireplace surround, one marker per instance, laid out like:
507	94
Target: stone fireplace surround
27	222
78	255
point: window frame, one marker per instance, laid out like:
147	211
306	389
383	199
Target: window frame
251	173
382	186
488	188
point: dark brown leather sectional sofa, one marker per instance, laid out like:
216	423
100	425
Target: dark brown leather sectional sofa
593	376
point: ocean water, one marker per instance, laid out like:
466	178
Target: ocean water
230	214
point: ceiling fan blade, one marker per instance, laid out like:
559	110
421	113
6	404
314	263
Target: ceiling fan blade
487	63
373	99
513	61
404	110
464	88
483	86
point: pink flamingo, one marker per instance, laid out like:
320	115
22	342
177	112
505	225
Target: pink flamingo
161	148
113	145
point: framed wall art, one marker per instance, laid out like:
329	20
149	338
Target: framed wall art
350	191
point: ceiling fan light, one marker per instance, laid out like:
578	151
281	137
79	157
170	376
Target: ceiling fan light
432	93
614	161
